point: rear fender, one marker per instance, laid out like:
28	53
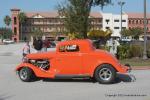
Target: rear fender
119	68
37	71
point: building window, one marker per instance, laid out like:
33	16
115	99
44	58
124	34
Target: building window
15	20
50	21
132	21
123	20
25	29
116	20
33	29
136	21
143	21
116	27
147	21
15	30
129	21
107	28
56	21
39	21
100	21
123	28
107	20
129	28
140	21
50	28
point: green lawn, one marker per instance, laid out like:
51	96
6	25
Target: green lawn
136	62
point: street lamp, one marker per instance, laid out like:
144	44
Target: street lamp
121	3
145	29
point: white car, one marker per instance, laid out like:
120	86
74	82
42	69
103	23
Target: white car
8	41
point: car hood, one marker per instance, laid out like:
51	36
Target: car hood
41	55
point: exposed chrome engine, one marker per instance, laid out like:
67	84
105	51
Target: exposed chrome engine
42	64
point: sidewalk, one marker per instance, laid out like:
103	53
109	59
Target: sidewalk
141	68
16	49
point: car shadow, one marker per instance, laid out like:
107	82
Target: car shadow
69	80
125	78
119	78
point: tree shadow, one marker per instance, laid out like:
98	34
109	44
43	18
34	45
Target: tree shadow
5	97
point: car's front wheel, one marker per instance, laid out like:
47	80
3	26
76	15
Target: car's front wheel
105	74
26	74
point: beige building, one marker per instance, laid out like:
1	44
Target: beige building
50	23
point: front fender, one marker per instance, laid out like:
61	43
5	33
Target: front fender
37	71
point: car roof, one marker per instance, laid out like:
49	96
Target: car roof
77	41
85	44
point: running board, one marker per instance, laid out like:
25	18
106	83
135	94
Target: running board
71	76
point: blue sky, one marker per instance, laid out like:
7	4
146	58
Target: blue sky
49	5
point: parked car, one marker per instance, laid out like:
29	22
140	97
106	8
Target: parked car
8	41
72	59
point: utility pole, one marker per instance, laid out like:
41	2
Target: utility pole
145	30
121	3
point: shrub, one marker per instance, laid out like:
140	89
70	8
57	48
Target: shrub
123	52
148	50
148	53
135	51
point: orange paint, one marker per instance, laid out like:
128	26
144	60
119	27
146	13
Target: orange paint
77	57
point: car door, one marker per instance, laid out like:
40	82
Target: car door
69	61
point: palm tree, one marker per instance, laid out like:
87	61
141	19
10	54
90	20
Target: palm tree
22	18
7	20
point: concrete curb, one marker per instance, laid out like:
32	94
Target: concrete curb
141	68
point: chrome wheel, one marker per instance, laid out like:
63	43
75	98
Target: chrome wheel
26	74
23	74
105	74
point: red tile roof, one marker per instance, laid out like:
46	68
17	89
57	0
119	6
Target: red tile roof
44	14
96	14
54	14
137	15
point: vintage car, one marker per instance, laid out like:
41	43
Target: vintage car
72	59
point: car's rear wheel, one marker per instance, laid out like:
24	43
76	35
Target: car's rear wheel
26	74
105	74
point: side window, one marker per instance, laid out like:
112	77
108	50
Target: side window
72	48
69	48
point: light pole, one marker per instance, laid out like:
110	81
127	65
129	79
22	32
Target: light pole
145	29
121	3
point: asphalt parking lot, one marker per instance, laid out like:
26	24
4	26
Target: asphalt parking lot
136	85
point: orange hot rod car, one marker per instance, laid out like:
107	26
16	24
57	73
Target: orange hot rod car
72	59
